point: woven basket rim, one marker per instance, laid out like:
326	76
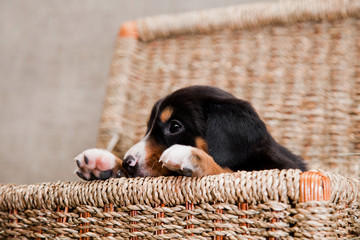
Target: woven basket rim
244	16
248	187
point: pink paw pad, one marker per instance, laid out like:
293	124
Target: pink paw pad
95	164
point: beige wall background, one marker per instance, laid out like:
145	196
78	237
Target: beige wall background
54	62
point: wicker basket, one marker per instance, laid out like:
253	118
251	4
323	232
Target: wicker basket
297	62
245	205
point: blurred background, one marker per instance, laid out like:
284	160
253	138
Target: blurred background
54	62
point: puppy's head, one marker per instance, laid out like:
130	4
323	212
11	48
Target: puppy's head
199	116
179	118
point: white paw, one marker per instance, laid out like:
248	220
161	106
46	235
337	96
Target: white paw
95	164
179	158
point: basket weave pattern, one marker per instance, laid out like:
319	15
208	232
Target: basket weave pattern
248	205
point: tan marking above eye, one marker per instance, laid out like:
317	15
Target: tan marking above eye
166	114
201	144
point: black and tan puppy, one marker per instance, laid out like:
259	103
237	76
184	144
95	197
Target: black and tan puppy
195	131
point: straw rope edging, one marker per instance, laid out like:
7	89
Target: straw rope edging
250	187
245	16
219	207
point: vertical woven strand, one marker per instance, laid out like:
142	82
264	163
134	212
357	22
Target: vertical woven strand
39	231
108	209
133	213
243	207
219	211
160	215
189	206
83	228
13	212
274	220
61	219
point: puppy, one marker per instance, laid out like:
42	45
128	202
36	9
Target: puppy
195	131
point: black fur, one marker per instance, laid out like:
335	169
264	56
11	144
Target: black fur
236	136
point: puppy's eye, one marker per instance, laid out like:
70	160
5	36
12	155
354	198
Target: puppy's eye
175	126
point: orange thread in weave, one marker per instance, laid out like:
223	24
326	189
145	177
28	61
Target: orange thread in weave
314	186
109	208
133	213
14	211
218	229
244	206
84	230
129	30
61	219
190	206
274	220
160	215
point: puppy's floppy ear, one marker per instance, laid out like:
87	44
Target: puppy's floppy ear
234	132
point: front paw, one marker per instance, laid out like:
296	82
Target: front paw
97	163
179	158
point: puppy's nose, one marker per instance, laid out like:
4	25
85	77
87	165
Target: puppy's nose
129	164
